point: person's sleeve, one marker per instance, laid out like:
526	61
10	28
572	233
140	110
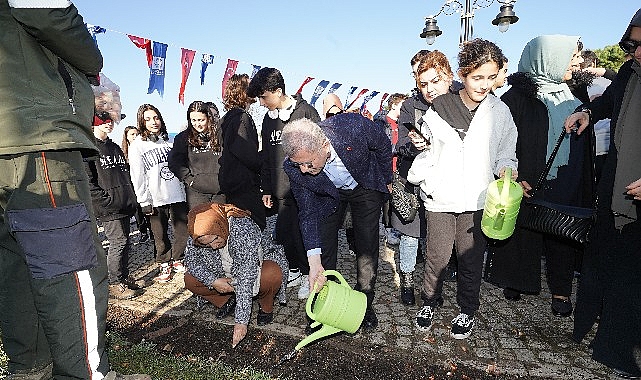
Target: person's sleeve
138	175
378	143
60	28
404	146
99	197
313	115
309	217
244	245
243	143
506	150
178	160
610	74
203	263
265	171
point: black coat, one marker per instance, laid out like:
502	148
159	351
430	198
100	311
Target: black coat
516	262
112	193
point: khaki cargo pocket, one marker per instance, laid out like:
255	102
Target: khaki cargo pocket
56	241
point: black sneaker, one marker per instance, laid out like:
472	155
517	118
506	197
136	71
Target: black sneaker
462	326
561	307
424	318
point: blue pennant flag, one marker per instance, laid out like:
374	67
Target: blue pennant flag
318	91
256	68
367	99
157	69
351	91
207	59
95	29
334	87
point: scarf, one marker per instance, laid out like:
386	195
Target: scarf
212	219
546	59
627	139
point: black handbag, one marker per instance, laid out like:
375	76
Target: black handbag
568	222
405	203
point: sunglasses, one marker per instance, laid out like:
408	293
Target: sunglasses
629	46
331	112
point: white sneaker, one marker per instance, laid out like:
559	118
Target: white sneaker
462	326
178	266
165	273
303	291
294	277
391	237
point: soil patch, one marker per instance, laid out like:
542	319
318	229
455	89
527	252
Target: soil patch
265	351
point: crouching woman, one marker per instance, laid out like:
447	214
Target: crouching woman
229	263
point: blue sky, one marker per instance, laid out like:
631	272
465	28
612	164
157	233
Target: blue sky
357	43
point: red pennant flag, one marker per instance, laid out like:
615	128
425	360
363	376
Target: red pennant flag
363	91
309	79
143	43
185	61
229	71
385	95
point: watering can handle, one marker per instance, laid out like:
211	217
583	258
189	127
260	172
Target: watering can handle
505	191
339	276
312	294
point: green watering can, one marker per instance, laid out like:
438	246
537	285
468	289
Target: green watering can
502	205
336	306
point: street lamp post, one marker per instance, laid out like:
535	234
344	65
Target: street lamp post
466	9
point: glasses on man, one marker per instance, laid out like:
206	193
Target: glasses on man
308	164
629	46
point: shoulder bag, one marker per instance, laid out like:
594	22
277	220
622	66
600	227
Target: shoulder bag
568	222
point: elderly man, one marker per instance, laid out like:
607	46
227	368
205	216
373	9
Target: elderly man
344	160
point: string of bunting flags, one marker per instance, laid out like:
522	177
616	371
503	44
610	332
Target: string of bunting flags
156	55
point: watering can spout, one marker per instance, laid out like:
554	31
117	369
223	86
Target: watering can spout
326	330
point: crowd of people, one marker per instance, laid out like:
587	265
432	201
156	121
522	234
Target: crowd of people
204	197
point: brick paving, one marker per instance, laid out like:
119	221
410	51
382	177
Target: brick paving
521	339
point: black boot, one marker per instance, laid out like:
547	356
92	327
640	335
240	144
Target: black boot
407	288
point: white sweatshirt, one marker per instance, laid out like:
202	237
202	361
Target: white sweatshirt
453	174
153	182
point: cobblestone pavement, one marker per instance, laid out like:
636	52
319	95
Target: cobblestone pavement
521	339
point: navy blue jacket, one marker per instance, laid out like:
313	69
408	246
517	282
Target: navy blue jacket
366	152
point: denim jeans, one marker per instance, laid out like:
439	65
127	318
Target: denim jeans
117	232
407	253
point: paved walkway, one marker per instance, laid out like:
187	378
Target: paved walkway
521	338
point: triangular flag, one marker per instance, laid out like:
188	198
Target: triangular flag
334	87
385	95
363	91
318	91
229	71
254	71
206	60
157	69
186	59
367	99
349	93
300	89
143	43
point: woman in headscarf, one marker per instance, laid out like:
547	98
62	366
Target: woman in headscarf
539	101
229	262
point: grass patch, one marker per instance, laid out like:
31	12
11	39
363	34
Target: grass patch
145	357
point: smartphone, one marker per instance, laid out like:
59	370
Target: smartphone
413	128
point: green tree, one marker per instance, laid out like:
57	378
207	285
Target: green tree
611	57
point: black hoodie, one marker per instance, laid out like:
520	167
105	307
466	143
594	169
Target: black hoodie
112	193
